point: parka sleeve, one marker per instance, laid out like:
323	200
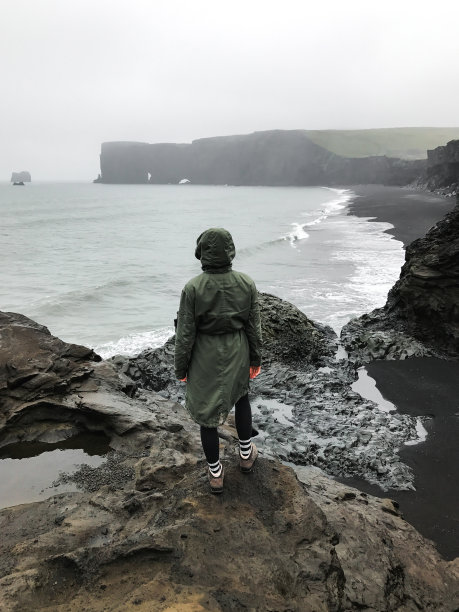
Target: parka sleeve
185	334
253	329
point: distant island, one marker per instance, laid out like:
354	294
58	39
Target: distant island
279	157
19	178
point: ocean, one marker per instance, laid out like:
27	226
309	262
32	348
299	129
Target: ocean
104	265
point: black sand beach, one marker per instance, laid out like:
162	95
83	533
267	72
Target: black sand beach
420	387
426	387
412	213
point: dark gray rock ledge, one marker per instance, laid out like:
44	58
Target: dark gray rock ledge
421	315
145	533
304	406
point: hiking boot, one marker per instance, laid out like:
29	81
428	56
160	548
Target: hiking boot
216	484
246	465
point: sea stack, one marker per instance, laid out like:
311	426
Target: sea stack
21	177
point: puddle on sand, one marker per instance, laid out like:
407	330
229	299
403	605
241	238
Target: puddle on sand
279	412
28	469
270	416
365	386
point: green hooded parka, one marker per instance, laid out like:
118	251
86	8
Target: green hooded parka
218	331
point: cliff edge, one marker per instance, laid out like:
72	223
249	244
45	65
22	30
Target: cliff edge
277	157
443	169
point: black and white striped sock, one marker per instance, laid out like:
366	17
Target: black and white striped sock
215	468
245	448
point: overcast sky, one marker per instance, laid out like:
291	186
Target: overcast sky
75	73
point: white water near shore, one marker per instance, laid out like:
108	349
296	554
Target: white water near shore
352	242
103	265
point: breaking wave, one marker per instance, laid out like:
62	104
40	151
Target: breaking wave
134	344
299	232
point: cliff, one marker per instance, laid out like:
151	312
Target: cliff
143	532
263	158
421	315
443	168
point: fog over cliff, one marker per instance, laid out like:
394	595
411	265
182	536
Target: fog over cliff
75	74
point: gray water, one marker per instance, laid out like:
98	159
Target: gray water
28	469
103	265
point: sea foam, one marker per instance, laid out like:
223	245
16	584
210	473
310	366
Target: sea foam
134	344
299	232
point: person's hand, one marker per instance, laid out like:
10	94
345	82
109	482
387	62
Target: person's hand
254	371
183	379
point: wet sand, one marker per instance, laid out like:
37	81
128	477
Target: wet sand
411	212
420	387
426	387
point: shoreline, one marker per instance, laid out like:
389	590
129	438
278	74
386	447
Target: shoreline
425	387
412	213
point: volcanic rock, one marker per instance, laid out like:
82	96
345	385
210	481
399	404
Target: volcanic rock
156	538
304	406
421	315
288	336
443	169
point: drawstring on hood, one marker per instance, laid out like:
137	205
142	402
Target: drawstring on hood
215	249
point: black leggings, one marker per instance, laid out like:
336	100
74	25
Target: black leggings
209	435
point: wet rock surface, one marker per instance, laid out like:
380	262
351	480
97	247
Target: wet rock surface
34	364
305	409
421	316
379	335
289	337
145	533
269	542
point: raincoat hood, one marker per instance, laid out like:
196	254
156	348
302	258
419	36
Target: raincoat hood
215	249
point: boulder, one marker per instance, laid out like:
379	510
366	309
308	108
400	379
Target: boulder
290	337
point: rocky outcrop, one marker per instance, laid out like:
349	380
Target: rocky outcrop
23	176
443	169
35	364
305	408
51	390
289	337
275	157
421	316
154	538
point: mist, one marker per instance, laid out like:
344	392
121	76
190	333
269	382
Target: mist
75	74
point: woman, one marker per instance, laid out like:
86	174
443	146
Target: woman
217	348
